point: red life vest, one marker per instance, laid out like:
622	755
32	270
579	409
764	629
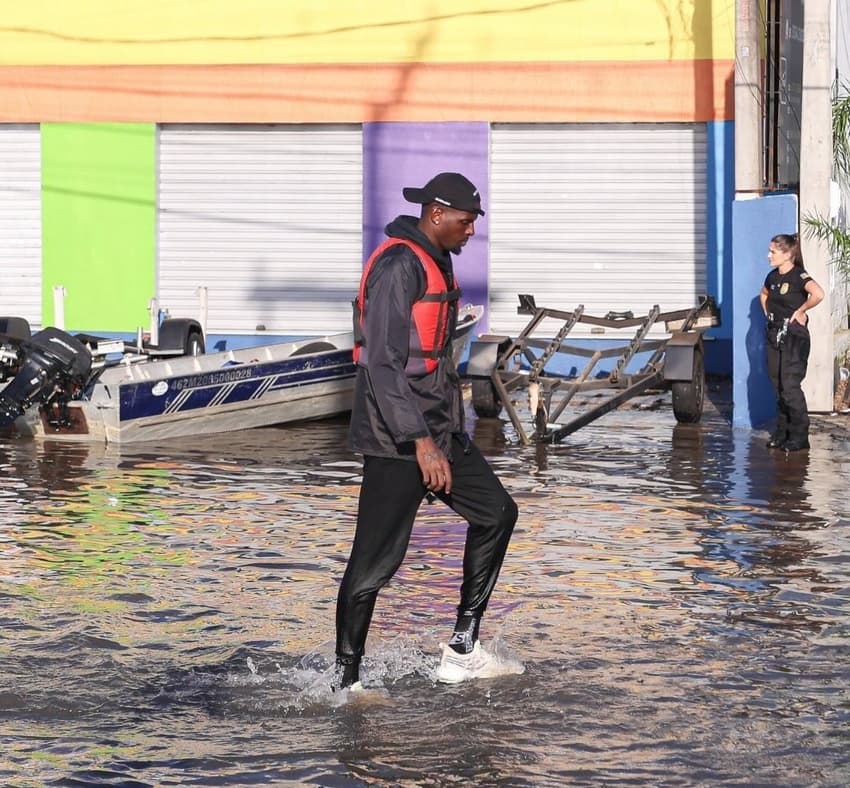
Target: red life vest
429	318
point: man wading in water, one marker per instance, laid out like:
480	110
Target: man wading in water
407	422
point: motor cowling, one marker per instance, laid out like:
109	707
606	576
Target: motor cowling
52	363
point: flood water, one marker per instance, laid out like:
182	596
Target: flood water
679	595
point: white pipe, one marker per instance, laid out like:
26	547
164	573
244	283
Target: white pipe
59	293
203	308
153	311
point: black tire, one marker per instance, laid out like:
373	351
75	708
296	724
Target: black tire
194	344
485	399
689	395
15	327
181	336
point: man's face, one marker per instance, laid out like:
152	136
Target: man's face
453	228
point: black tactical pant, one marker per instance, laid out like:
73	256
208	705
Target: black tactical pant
786	365
390	495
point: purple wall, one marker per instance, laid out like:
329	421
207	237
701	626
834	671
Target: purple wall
396	155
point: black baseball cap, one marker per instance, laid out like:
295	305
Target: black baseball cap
450	189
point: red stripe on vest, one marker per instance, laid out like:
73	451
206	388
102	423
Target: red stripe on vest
429	315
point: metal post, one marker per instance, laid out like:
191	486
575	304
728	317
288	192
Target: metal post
59	293
203	307
153	311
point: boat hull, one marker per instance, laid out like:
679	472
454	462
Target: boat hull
219	392
160	400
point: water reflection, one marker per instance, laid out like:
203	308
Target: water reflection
168	611
754	536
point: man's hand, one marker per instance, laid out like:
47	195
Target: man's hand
435	467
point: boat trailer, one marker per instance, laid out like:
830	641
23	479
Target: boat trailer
498	365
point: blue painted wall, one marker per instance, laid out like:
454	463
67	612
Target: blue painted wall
754	223
720	194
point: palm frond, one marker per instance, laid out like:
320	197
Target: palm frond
836	238
841	135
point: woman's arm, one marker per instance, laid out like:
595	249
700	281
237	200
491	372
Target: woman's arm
814	296
763	298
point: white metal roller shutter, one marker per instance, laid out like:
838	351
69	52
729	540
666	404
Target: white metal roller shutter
268	218
612	216
20	222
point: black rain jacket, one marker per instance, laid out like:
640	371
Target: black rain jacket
390	409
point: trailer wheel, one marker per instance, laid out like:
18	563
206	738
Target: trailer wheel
689	395
485	398
181	336
194	344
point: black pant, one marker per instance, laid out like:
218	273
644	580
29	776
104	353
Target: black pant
390	495
786	366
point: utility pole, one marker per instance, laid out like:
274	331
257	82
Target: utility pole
815	178
748	101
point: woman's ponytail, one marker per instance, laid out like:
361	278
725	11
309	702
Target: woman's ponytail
790	243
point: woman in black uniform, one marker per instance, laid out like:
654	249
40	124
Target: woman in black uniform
788	293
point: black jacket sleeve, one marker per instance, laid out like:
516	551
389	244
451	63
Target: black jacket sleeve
395	283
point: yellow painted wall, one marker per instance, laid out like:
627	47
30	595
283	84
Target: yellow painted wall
170	32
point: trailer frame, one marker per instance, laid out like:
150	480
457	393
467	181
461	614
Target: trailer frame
499	365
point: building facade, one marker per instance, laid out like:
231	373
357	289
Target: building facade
256	150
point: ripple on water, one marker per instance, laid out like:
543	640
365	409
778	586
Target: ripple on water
678	595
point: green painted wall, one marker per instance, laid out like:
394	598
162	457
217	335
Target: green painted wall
99	223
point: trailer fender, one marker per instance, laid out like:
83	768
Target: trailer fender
679	355
15	328
484	355
182	335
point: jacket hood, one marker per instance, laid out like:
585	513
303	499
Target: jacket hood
407	227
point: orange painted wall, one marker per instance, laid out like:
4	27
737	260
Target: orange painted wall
258	61
654	91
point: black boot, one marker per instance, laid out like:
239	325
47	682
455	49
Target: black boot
347	672
795	444
777	440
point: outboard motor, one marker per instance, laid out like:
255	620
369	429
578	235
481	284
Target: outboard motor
51	362
13	331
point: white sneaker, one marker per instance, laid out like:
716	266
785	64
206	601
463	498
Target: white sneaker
478	664
367	696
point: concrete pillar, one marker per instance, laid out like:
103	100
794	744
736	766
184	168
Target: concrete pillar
748	99
815	177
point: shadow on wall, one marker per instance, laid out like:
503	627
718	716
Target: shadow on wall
762	406
754	223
